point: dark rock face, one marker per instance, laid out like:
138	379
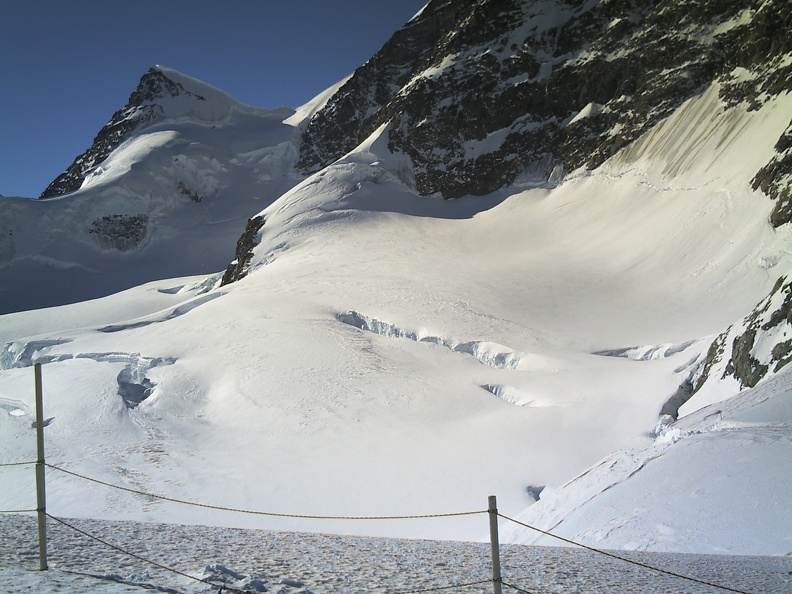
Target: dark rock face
759	346
120	232
244	251
479	92
350	115
141	109
775	179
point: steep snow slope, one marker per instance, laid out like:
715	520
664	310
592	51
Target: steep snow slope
718	481
175	173
395	354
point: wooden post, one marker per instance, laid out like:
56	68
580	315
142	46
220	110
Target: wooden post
41	497
494	544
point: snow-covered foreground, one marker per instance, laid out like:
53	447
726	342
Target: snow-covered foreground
391	354
288	562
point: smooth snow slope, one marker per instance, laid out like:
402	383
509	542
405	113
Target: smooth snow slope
396	354
718	481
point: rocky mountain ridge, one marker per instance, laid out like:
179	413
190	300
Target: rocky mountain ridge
481	93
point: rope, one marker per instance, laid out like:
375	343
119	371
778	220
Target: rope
223	587
17	511
625	559
119	580
18	463
318	517
513	587
438	588
265	513
139	558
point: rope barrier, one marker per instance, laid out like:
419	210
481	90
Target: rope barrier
438	588
118	580
625	559
17	511
140	558
513	587
264	513
320	517
415	591
223	587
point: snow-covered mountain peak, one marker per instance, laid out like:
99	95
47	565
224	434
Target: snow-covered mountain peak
161	83
181	96
182	159
163	95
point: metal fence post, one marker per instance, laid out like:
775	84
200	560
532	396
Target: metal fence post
494	544
41	497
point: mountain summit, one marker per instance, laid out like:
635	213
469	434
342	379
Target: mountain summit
161	94
182	164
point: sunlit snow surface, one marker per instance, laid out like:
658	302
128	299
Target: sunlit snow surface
392	354
723	465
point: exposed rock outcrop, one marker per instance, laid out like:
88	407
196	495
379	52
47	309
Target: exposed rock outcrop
120	232
775	179
238	268
757	347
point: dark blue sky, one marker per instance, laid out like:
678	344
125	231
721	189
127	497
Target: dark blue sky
67	65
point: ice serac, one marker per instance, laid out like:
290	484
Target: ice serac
160	93
481	93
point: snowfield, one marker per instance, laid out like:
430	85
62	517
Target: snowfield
393	354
